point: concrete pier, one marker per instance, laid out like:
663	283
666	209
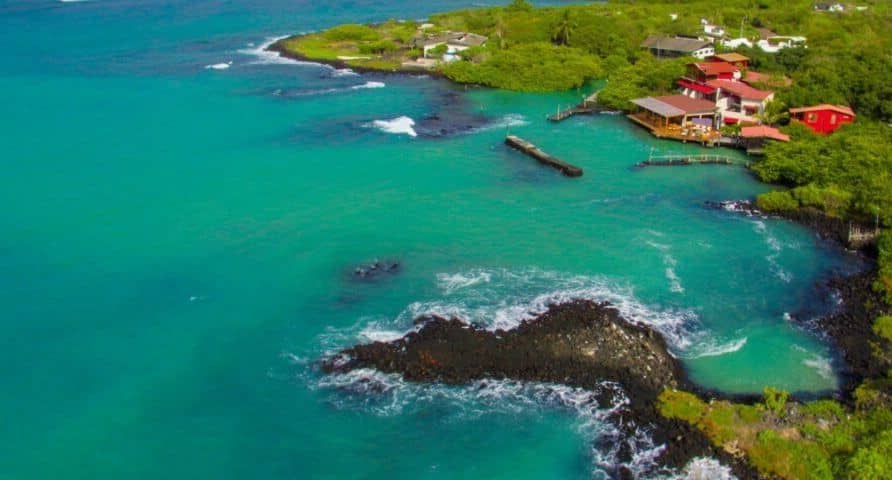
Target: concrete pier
542	157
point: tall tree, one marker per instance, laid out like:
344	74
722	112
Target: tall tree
563	29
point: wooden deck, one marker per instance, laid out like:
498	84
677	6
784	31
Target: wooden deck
676	132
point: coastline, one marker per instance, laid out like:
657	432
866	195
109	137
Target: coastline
849	330
278	47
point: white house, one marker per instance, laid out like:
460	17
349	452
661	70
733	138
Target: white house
738	102
778	43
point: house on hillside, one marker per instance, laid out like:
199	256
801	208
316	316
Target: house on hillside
454	41
739	103
705	71
673	47
740	61
710	30
830	7
824	118
779	42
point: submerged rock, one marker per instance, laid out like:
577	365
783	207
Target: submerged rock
376	269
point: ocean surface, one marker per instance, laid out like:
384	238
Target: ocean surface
183	213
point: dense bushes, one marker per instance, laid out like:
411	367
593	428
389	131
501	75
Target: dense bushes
352	33
818	440
849	171
533	67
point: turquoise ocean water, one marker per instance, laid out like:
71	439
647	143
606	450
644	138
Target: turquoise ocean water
177	242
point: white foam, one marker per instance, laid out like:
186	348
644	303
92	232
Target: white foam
710	348
507	121
370	85
344	72
705	468
669	263
262	56
401	125
219	66
820	364
452	282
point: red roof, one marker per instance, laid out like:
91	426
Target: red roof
740	89
696	86
826	106
688	104
712	69
762	131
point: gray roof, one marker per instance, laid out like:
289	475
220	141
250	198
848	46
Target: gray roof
452	38
674	44
658	107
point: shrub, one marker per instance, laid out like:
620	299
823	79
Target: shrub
352	32
777	201
378	47
775	400
882	326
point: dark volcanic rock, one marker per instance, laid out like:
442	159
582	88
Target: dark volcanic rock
578	344
852	327
581	344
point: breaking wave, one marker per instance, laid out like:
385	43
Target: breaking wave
388	395
262	56
219	66
711	348
400	125
497	298
500	299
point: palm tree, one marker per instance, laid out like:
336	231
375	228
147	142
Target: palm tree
774	113
500	30
563	30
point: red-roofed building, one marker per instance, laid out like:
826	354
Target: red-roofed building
754	138
705	71
739	103
823	118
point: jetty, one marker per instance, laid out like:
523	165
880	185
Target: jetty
588	106
685	160
542	157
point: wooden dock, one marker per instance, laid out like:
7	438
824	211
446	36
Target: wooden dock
542	157
588	106
685	160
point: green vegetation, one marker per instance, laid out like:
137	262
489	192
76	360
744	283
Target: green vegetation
817	440
535	67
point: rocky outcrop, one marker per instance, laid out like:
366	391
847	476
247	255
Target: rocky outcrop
580	343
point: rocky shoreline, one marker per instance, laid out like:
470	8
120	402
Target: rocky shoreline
850	328
579	344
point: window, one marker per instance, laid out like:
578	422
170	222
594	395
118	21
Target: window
833	119
812	117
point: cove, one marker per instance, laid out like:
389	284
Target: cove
178	242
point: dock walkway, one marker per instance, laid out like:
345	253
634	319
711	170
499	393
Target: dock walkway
588	106
685	160
542	157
